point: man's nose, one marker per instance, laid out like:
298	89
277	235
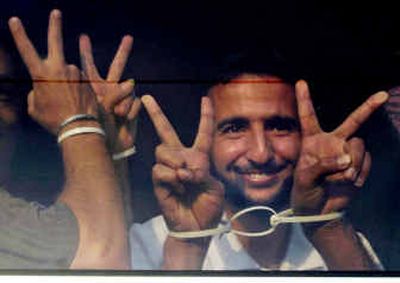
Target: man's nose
259	147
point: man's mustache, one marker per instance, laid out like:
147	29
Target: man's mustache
270	167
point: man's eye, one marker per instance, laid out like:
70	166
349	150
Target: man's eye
278	131
281	127
276	128
232	128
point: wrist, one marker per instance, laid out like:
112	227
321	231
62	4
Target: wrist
181	254
82	123
340	246
124	154
75	118
80	130
195	243
318	232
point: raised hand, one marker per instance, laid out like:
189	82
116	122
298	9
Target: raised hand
189	197
329	161
57	92
119	107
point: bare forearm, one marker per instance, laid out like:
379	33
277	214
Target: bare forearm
184	254
340	247
92	192
122	171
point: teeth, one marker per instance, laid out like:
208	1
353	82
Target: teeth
257	176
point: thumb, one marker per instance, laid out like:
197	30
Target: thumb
310	168
124	91
127	87
184	175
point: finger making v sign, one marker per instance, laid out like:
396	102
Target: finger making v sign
337	157
52	78
119	108
189	197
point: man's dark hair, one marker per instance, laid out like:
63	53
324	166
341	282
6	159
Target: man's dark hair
256	61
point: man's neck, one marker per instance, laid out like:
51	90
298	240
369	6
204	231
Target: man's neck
268	251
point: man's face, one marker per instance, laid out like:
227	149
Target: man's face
257	139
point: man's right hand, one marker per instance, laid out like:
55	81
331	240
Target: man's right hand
57	92
189	197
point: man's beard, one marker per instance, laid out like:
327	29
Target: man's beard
236	197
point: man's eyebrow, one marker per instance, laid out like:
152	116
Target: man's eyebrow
232	120
287	121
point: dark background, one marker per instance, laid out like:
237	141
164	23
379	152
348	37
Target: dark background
345	51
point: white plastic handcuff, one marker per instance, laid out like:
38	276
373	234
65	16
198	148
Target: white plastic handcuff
285	216
123	154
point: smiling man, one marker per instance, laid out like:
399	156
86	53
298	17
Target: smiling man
257	138
258	144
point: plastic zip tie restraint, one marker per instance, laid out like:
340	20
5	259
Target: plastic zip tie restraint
283	217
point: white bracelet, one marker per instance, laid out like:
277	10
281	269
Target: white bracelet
74	118
126	153
285	216
80	131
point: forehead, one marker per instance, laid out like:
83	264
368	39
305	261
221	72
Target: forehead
252	97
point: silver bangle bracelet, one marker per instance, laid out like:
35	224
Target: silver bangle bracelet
80	131
77	117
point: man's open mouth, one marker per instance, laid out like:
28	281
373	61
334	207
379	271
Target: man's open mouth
260	179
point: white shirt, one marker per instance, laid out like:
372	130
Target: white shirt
225	252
